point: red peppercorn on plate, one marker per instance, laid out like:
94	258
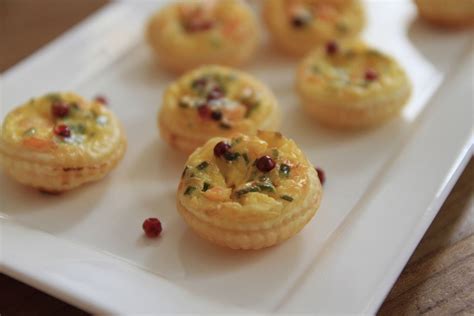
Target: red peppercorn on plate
382	186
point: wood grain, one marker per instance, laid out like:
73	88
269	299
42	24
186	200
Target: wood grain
26	25
438	279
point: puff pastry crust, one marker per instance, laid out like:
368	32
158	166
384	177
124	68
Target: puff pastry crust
297	26
215	101
188	34
60	141
447	13
351	85
230	201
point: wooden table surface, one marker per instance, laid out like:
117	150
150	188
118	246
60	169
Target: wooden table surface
438	279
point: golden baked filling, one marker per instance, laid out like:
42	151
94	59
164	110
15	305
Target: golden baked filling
298	26
215	101
248	192
221	99
61	123
349	72
192	33
327	16
350	85
214	19
60	141
246	179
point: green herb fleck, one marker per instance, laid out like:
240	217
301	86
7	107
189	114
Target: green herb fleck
236	141
364	83
287	198
183	103
189	190
198	83
275	153
230	156
247	190
374	52
203	165
315	69
266	187
78	128
224	125
230	77
284	170
251	109
206	186
30	132
342	27
215	42
53	97
246	158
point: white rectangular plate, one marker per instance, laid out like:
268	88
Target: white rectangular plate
384	185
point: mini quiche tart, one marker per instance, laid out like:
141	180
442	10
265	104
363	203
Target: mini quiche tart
351	86
188	34
215	101
447	12
60	141
297	26
248	192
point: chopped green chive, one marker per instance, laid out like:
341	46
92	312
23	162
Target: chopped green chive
266	187
203	165
215	42
246	158
225	126
54	97
78	128
236	141
315	69
287	198
284	170
251	109
183	104
275	153
189	190
341	27
230	156
30	132
247	190
373	52
206	186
